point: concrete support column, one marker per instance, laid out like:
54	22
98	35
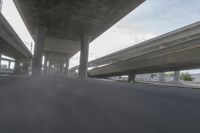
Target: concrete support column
176	76
62	67
17	67
0	60
25	68
49	68
30	66
131	78
162	77
38	52
84	55
66	65
9	65
45	64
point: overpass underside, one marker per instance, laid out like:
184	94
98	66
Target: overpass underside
63	27
58	104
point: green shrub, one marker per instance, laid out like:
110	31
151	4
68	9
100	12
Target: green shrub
186	77
171	74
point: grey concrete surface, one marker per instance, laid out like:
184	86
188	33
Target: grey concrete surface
171	39
39	50
60	105
85	40
67	19
176	50
10	43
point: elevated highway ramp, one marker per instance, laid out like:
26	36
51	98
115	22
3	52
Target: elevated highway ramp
10	43
177	50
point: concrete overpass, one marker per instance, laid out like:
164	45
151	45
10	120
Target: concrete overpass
59	104
65	27
176	50
11	45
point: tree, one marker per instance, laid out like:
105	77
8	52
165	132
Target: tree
186	77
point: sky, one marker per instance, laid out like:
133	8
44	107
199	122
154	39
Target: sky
150	19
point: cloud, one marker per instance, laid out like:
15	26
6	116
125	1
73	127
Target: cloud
161	16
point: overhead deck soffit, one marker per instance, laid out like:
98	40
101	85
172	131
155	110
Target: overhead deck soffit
9	50
67	19
57	45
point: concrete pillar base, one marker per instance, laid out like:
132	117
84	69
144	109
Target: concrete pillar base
177	77
131	78
162	77
17	67
45	64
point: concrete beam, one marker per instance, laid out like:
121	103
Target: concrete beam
39	49
84	55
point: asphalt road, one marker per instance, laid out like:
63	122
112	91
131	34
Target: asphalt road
60	105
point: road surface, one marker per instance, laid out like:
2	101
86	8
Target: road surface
61	105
